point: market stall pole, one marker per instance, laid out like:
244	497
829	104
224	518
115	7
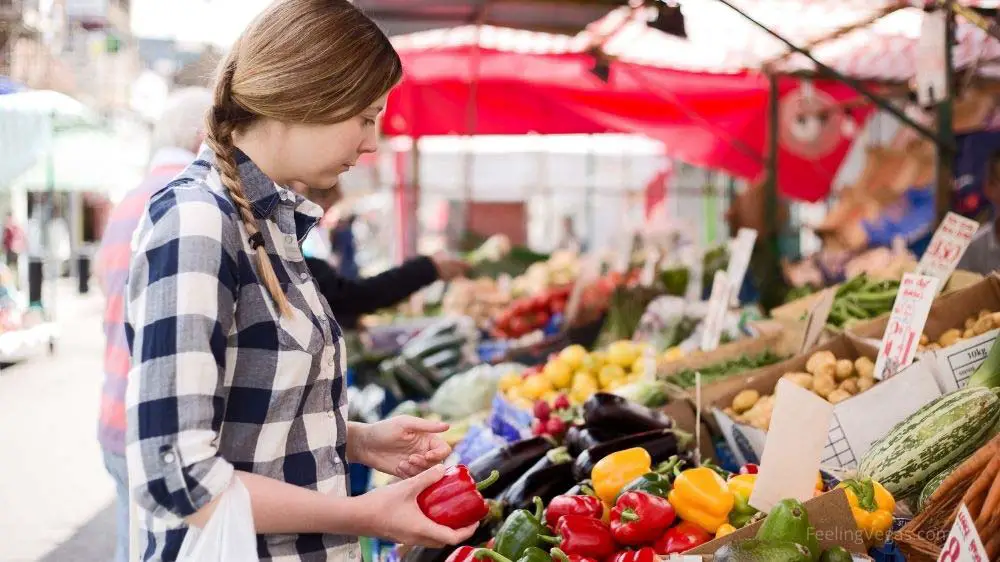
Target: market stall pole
946	147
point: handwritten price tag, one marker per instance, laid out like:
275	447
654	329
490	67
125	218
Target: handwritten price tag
906	324
718	304
739	260
947	247
963	544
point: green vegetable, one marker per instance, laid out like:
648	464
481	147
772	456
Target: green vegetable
534	554
675	281
467	393
987	375
719	371
788	521
836	554
933	484
932	439
624	312
861	298
521	531
756	550
649	393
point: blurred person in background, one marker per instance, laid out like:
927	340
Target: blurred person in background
175	139
344	247
13	242
238	379
983	254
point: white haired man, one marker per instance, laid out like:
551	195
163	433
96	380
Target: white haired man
175	141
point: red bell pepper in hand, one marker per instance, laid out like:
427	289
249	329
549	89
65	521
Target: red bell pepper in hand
640	518
680	538
560	556
588	506
583	536
454	500
463	554
644	554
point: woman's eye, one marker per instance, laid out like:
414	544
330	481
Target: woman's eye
368	122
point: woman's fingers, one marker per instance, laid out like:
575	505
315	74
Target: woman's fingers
447	535
421	425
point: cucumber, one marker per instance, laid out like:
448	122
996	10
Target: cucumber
421	348
933	484
935	437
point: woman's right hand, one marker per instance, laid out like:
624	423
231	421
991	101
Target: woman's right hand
394	514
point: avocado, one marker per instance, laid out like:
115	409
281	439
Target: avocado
756	550
836	554
788	521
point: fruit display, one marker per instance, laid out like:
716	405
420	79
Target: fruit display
834	379
862	298
973	326
578	374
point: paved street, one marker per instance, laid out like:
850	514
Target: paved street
55	497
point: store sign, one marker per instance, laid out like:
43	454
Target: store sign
718	304
906	324
947	247
963	544
740	251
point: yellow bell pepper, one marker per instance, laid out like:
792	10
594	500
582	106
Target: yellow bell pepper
872	506
611	473
742	487
725	529
700	496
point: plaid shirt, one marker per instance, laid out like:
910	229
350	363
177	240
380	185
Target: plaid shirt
220	380
112	271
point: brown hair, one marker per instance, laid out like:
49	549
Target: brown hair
299	61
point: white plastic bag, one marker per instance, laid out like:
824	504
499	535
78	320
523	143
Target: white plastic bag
229	535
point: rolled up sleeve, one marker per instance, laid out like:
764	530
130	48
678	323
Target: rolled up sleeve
181	296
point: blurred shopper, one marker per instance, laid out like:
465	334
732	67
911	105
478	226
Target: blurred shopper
13	242
176	138
344	247
983	253
568	238
237	380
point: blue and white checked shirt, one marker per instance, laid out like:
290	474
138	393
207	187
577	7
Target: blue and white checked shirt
220	381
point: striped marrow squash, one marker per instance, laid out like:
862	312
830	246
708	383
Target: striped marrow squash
934	438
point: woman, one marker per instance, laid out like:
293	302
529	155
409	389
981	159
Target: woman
237	362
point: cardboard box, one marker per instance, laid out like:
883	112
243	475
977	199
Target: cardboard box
857	422
772	339
954	364
829	514
682	412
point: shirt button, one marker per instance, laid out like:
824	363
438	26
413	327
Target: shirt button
331	414
303	276
168	458
289	239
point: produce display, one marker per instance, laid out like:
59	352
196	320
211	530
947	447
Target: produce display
834	379
577	374
725	369
976	325
428	359
528	314
862	298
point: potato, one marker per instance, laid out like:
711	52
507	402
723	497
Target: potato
844	369
967	334
924	340
838	396
864	383
818	360
969	322
824	385
982	314
850	385
950	337
805	380
983	325
745	400
864	366
827	370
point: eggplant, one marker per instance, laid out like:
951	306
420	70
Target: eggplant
582	488
609	411
546	479
661	444
511	461
580	438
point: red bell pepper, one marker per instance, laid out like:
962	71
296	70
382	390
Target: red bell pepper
463	554
454	500
560	556
644	554
681	538
640	518
583	536
588	506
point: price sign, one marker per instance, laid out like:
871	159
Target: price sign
718	304
739	260
947	247
648	274
963	543
906	324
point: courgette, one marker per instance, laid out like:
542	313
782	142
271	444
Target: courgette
933	484
935	437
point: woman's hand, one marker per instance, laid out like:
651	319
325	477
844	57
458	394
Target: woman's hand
403	445
394	514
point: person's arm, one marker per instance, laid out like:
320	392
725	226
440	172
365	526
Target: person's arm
365	296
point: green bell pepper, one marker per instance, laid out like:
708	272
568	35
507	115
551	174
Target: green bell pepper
521	531
534	554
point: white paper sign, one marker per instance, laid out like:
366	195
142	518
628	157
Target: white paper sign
932	77
795	442
906	324
648	273
718	304
963	543
947	247
816	321
739	260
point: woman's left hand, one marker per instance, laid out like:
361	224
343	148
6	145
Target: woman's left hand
403	446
